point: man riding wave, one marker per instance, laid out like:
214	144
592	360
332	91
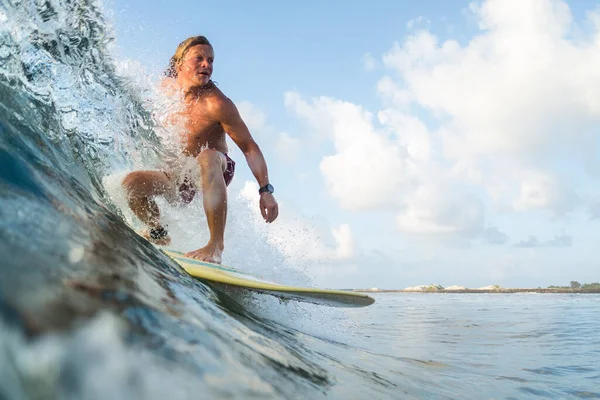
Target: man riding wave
205	116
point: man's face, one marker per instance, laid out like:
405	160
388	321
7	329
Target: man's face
197	65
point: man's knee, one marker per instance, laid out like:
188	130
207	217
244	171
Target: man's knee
131	181
210	160
140	184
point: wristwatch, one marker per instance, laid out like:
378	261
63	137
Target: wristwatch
267	188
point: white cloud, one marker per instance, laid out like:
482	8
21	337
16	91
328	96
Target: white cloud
558	241
410	133
594	209
494	121
254	118
345	242
364	171
369	63
539	190
419	21
287	148
519	95
493	235
393	94
391	166
442	210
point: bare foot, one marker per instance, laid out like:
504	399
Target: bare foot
162	241
210	253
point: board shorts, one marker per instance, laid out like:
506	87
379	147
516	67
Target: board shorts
186	188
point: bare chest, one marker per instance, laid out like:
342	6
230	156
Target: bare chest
200	128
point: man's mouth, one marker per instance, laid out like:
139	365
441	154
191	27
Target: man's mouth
204	73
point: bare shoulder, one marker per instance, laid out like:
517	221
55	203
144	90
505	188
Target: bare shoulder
221	106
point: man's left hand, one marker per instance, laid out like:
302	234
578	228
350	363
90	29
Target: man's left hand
268	207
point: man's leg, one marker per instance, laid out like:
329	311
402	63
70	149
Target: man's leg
214	193
141	187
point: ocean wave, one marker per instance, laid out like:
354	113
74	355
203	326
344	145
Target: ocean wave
89	309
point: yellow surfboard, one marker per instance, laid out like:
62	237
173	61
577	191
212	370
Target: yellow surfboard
222	275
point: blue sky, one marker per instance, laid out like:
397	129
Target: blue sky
423	142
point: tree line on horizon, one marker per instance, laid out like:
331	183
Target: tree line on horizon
577	286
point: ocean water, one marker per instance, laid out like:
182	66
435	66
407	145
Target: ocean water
89	310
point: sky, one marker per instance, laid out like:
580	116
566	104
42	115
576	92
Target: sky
454	142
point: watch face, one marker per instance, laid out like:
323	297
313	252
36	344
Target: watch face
267	188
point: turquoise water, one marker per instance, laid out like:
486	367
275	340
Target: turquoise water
89	310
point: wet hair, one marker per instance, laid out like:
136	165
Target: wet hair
182	49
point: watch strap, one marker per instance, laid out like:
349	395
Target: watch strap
268	188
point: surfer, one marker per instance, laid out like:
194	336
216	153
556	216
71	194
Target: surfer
205	115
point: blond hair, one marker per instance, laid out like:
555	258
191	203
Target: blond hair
182	49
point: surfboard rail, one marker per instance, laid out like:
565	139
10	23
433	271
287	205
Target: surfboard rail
224	275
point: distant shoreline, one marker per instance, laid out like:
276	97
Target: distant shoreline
563	291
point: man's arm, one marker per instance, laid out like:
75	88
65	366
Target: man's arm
232	123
